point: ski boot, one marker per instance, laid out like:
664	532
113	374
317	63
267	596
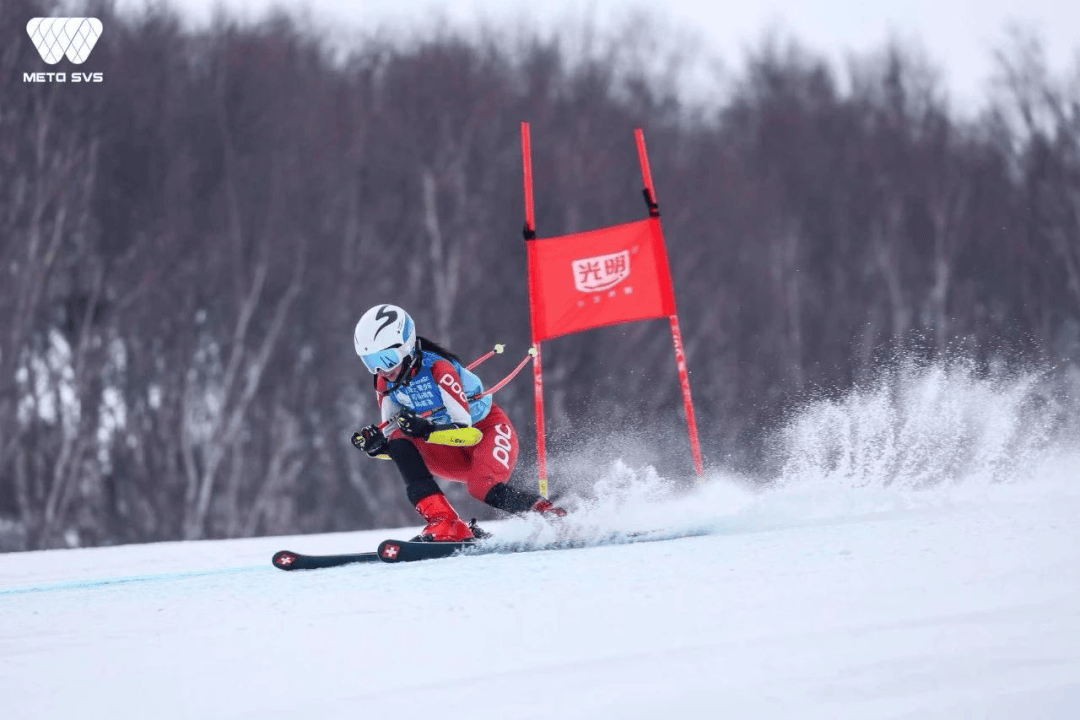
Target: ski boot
547	509
443	523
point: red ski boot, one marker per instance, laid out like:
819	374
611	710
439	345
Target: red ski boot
443	523
544	507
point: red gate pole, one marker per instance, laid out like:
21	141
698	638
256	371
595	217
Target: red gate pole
673	319
538	378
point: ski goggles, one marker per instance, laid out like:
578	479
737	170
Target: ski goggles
385	359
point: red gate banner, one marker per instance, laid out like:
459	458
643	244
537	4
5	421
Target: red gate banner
599	277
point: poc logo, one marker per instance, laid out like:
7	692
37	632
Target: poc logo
454	386
73	38
501	451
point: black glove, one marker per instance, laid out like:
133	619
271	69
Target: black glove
414	425
370	440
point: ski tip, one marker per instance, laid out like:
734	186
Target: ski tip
390	551
284	560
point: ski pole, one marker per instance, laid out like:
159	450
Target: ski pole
498	386
508	378
497	350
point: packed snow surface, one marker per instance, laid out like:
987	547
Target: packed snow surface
860	582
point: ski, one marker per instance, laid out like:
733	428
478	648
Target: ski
390	551
395	551
398	551
289	560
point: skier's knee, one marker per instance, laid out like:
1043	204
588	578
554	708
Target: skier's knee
480	488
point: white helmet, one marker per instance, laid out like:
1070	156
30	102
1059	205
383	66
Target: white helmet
384	338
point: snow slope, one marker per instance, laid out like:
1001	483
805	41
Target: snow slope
854	587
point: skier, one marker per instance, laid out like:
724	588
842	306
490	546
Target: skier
414	375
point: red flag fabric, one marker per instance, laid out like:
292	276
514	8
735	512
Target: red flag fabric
599	277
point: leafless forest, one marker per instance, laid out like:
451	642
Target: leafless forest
186	246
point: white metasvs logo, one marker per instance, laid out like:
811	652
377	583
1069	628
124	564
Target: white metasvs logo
58	37
601	272
72	37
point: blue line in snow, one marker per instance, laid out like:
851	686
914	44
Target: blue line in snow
82	584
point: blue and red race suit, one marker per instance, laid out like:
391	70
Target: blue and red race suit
439	381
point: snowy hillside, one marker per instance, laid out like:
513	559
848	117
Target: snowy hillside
859	585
